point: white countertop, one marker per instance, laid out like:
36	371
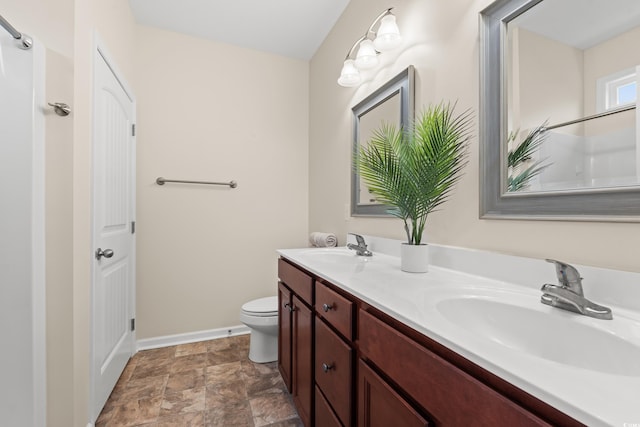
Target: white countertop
595	398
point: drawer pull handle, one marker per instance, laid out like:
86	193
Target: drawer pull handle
289	307
326	368
327	307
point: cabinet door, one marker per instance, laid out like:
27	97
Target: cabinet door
302	360
380	406
284	333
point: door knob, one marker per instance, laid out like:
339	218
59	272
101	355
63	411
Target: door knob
107	253
327	307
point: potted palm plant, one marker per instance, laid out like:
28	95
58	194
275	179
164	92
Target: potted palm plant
414	170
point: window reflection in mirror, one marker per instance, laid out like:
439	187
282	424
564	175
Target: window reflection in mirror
574	67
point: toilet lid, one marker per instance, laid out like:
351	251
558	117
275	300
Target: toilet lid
268	305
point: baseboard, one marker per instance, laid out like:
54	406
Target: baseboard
189	337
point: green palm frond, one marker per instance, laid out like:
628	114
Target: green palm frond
528	146
523	153
414	170
519	181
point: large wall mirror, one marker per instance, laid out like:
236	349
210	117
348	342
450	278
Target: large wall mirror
393	103
559	128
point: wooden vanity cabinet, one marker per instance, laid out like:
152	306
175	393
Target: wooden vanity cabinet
295	342
351	364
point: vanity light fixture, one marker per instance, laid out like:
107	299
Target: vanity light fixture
363	55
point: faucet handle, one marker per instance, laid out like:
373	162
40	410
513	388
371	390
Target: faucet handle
568	275
359	239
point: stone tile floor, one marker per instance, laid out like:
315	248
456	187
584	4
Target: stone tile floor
208	383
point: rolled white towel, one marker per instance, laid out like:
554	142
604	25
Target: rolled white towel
323	240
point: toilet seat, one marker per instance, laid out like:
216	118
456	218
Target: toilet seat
262	307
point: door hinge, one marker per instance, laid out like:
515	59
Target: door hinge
133	129
133	227
133	325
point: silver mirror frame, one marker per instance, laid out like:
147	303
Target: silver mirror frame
403	84
621	204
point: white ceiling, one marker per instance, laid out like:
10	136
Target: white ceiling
581	23
293	28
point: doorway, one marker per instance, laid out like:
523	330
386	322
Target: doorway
113	284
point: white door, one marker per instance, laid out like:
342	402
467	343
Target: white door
113	234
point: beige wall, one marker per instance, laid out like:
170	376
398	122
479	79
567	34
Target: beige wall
442	42
214	112
551	83
59	227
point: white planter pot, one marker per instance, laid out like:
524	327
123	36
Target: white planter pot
414	258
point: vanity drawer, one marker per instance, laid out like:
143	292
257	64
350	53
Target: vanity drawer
297	280
380	406
324	414
451	396
335	309
333	370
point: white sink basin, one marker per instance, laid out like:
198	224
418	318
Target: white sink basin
606	346
332	255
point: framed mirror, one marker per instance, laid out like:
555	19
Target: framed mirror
393	103
559	128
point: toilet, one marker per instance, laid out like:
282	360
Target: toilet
261	316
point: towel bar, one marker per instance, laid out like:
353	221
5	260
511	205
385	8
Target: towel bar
162	181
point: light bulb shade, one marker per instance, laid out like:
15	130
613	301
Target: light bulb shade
349	76
388	35
367	56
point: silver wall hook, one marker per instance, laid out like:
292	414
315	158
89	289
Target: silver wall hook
61	108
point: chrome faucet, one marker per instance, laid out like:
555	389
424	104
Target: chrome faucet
361	247
569	295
